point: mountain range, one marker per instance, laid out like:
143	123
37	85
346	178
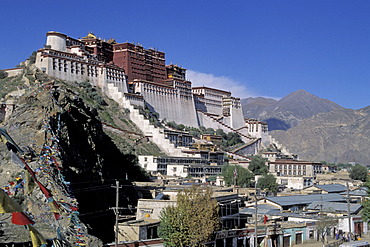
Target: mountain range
314	128
287	112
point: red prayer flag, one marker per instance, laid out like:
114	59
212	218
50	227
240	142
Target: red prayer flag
20	218
44	190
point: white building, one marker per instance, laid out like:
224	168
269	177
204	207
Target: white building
180	166
69	59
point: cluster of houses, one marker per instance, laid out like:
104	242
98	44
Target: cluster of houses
288	219
310	195
316	203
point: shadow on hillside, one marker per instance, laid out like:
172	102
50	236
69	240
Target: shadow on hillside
277	124
92	163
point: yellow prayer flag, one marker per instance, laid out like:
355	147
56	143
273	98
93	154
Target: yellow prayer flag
7	205
36	237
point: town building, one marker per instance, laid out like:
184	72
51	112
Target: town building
290	167
135	230
179	138
325	189
295	182
215	139
300	202
208	165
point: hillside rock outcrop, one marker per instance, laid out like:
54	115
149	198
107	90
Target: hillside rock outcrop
60	127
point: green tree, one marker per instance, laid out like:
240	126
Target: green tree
192	221
180	127
202	129
233	139
258	165
359	172
209	131
243	176
268	181
366	184
220	132
366	210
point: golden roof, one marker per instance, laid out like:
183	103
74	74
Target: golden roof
90	35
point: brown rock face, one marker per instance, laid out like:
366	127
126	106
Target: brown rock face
59	126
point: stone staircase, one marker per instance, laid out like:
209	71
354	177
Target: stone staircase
245	138
155	134
249	140
235	150
237	156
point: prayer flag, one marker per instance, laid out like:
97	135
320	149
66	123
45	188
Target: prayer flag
7	205
36	238
20	218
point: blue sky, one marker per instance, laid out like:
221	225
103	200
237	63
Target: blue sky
252	48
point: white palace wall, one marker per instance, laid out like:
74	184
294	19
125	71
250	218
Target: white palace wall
72	67
237	118
168	103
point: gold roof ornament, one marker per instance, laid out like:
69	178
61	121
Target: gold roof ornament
111	41
90	35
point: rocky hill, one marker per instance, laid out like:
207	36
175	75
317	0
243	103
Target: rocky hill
288	111
252	107
339	136
78	143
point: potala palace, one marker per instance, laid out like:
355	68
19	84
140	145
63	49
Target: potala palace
142	76
138	78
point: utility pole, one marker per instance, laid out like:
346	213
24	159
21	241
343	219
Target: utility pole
349	214
115	209
256	211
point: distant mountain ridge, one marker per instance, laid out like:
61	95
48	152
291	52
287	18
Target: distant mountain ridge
314	128
287	112
339	136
